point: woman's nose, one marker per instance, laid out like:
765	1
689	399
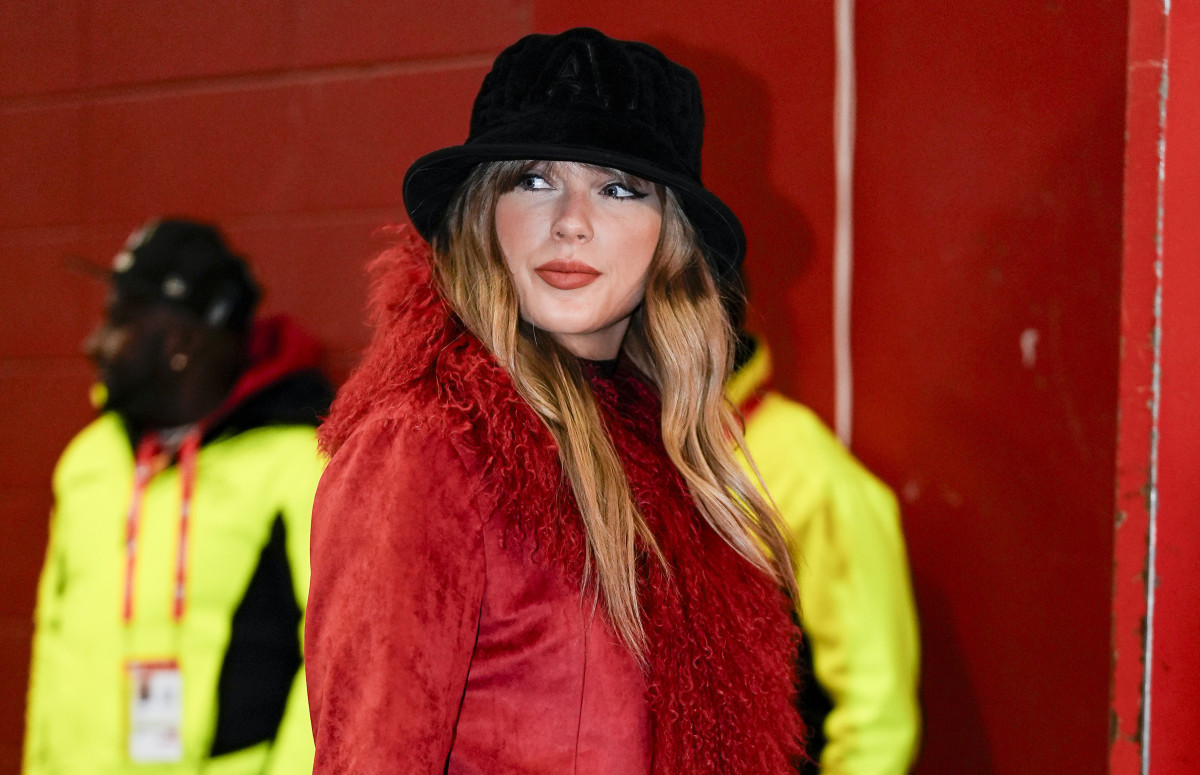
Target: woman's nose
574	220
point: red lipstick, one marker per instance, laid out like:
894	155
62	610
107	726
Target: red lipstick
566	274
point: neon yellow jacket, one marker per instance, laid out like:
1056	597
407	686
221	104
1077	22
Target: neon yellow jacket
251	508
852	572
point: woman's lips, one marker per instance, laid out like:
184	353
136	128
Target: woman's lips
566	275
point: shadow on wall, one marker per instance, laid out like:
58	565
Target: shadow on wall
956	706
737	155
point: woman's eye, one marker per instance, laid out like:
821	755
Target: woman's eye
531	181
618	191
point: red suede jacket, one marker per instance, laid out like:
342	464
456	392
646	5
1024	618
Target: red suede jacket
446	629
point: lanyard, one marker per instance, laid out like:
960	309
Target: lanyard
151	458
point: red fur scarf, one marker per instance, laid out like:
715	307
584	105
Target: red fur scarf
721	645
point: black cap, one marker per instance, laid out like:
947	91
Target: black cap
585	97
188	265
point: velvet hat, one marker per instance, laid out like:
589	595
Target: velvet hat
585	97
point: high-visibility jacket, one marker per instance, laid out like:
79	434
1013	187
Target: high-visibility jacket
237	641
856	598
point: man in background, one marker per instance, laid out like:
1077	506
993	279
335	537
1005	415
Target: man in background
170	607
856	602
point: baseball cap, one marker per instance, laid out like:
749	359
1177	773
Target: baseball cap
187	264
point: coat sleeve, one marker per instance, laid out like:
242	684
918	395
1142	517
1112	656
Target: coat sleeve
398	573
292	750
855	595
45	643
858	609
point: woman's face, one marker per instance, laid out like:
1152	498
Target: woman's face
578	242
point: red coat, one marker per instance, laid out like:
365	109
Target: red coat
446	623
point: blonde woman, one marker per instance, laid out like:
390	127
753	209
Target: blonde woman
533	549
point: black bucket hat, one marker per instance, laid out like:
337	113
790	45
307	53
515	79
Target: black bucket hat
585	97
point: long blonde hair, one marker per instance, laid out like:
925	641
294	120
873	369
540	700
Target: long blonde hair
681	340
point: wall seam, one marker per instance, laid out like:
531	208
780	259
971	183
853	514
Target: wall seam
1155	398
266	79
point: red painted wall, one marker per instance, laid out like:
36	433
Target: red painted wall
988	210
988	204
1175	690
1156	597
1140	332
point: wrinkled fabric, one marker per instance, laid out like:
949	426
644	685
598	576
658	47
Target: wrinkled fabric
449	628
859	615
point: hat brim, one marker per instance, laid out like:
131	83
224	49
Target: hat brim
432	180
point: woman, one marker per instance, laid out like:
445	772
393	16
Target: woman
533	551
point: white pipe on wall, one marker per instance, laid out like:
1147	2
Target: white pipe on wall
843	246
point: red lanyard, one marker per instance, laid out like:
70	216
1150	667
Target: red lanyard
150	460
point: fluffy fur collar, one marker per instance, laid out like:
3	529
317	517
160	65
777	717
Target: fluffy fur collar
417	345
721	645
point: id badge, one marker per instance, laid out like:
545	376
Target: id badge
155	712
